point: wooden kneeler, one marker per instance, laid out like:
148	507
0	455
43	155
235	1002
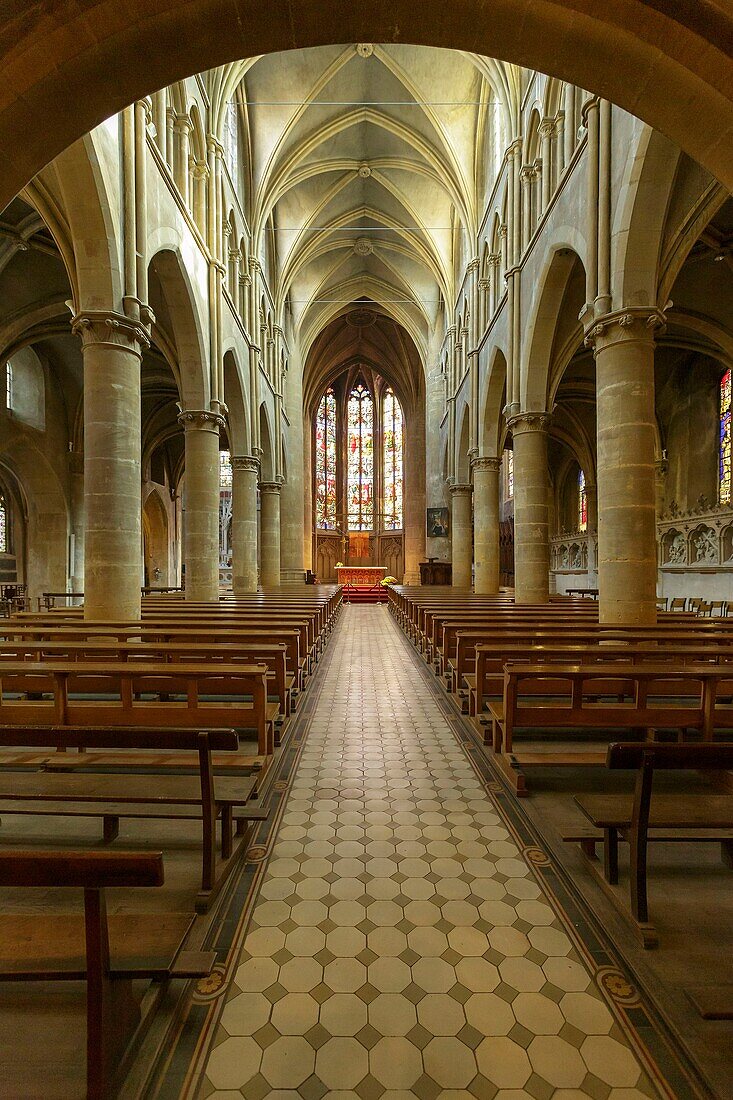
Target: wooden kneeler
109	952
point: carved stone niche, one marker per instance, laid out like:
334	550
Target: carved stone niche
726	544
674	547
703	546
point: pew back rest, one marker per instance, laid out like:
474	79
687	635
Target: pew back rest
87	870
665	757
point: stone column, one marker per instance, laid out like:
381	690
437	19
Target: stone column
591	496
486	524
462	551
76	565
112	346
623	346
270	533
245	470
201	517
661	469
531	508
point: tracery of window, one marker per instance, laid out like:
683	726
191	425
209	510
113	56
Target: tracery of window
231	138
582	503
724	489
508	474
8	385
360	459
326	462
3	526
392	442
225	506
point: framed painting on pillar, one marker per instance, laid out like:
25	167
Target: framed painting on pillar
438	523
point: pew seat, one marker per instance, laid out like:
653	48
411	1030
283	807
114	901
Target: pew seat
107	952
693	817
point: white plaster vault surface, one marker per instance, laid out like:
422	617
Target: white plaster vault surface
401	945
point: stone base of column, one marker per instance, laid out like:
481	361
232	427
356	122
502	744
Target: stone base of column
292	576
411	578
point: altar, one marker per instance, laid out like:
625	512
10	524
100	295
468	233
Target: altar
360	576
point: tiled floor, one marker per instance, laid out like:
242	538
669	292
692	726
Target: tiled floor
401	945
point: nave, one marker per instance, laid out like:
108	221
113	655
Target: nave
402	943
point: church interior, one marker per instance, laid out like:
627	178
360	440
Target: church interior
366	551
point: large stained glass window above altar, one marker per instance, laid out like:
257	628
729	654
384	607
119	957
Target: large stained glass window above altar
360	459
326	462
725	439
392	461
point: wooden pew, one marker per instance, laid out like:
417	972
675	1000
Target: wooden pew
642	817
152	632
281	682
122	685
109	953
114	795
488	681
638	703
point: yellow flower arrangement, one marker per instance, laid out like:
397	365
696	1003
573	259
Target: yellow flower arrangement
388	580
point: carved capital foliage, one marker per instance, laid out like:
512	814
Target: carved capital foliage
457	489
248	463
203	420
528	422
485	463
112	330
633	323
270	487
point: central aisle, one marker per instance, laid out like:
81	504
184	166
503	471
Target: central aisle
401	945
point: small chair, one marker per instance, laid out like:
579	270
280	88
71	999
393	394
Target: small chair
679	603
693	604
661	603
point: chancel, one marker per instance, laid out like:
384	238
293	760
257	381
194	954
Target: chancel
366	547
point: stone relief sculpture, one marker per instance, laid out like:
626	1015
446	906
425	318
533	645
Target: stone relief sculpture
705	543
678	550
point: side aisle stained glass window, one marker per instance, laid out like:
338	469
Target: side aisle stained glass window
582	503
326	462
392	443
360	459
3	526
725	439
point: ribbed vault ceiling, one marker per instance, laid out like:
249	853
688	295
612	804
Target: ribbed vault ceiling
369	168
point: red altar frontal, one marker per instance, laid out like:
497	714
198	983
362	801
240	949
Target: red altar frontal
360	576
362	583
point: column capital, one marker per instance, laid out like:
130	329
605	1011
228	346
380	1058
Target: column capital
201	420
528	422
457	489
248	463
107	328
270	487
633	323
484	462
474	264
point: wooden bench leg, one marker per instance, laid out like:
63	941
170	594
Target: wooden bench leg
110	828
112	1011
610	856
726	853
226	832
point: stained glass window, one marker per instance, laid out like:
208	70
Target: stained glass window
360	459
326	462
582	503
8	385
392	457
509	474
725	439
3	526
